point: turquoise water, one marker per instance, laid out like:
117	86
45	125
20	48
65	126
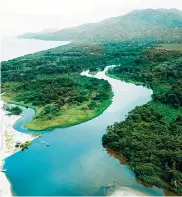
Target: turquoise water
76	163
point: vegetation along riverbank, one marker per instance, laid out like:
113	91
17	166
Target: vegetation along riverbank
50	82
151	136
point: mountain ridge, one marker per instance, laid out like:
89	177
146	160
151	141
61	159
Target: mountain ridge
138	24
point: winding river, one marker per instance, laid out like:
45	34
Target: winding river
76	163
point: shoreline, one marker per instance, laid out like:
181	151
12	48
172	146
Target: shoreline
105	104
97	113
9	137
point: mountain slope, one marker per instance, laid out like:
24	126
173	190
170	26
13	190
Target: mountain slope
159	24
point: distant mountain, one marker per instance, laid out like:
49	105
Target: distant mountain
158	24
31	35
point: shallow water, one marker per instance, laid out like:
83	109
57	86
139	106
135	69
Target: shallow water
76	163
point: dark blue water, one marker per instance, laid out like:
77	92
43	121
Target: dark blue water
75	163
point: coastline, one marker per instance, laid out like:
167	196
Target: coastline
9	137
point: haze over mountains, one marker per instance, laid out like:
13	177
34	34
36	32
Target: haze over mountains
155	24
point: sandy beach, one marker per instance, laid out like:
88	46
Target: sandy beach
126	191
8	139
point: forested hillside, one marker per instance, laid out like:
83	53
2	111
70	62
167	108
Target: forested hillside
50	81
139	24
151	136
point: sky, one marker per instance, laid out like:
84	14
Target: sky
20	16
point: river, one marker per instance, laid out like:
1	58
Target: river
76	163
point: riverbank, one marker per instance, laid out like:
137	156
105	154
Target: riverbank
83	107
158	121
83	138
126	80
9	137
71	116
77	115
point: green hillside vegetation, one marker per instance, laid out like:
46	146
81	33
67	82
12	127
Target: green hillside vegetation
139	24
151	136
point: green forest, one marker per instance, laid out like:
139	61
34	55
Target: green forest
12	110
50	81
151	136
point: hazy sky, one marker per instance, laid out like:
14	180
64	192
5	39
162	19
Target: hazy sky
19	16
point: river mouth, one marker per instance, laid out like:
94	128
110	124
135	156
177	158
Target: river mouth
76	163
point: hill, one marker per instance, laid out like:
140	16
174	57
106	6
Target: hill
138	24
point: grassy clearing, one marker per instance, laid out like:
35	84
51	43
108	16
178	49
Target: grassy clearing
171	47
72	116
